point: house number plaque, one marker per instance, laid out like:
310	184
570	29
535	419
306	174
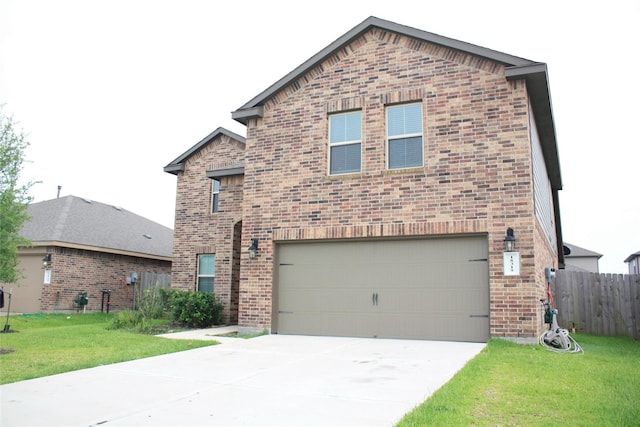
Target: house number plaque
511	263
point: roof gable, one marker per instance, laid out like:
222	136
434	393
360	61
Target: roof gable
178	164
578	252
515	68
251	108
75	221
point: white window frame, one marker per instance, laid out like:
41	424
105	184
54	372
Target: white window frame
205	276
388	138
343	143
215	196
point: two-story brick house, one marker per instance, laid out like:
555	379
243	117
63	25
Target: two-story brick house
378	180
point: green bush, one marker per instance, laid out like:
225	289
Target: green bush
193	309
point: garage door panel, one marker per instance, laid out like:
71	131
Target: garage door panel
319	300
436	301
420	288
444	327
327	276
309	323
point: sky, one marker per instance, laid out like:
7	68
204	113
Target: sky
109	92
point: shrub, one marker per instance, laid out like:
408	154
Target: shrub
149	306
128	319
150	303
193	309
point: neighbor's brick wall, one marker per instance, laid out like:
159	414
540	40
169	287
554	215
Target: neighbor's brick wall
477	174
198	231
77	270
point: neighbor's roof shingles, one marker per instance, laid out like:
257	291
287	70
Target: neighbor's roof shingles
92	225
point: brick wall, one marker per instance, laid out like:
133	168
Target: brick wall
198	231
477	174
77	270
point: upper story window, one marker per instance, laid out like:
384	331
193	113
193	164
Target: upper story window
345	141
215	195
404	136
206	272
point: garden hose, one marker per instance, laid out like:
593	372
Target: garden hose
555	338
560	341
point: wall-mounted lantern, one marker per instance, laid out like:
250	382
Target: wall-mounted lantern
253	249
511	258
509	241
46	261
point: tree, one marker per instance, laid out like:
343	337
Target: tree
14	198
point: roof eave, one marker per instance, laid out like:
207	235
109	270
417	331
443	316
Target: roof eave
632	256
558	224
174	168
243	115
229	171
536	78
61	244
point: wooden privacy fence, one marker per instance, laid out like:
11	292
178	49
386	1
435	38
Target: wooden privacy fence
600	304
149	280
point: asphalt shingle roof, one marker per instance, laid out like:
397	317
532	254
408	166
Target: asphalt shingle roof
74	220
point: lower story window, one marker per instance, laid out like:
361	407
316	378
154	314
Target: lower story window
206	272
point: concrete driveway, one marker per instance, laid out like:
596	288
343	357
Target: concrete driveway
272	380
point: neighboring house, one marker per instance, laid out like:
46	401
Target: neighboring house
89	247
580	259
374	191
634	263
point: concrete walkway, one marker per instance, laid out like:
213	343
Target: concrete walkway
271	380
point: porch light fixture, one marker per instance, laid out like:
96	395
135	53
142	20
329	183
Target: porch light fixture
509	241
46	261
253	248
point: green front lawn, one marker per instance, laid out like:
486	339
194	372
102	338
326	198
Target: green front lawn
52	344
505	385
515	385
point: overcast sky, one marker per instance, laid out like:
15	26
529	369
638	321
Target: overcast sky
109	92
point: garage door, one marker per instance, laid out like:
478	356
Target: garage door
433	289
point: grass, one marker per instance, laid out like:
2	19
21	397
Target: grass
51	344
505	385
514	385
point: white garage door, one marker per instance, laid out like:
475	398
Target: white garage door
435	289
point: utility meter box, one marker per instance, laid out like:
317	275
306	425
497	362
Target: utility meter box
81	300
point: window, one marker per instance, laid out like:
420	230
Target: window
206	272
215	195
404	136
345	137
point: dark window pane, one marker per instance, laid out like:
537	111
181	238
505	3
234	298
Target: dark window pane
405	153
345	159
205	284
214	203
